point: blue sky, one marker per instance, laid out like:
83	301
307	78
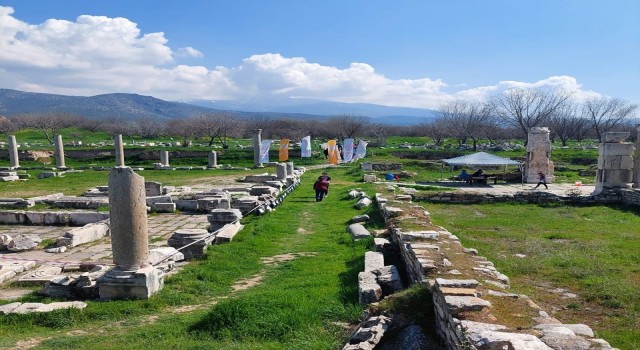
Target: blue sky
406	53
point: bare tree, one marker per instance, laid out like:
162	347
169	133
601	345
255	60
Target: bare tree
347	126
50	124
7	126
466	120
92	125
186	129
528	108
254	123
379	132
149	127
118	125
606	113
566	124
287	128
218	126
436	130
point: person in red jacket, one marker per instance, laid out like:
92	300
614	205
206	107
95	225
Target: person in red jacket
327	178
321	186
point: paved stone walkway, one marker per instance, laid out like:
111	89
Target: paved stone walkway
40	264
557	189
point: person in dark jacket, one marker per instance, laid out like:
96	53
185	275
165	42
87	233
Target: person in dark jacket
542	180
327	178
321	186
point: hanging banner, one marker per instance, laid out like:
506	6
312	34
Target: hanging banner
361	151
305	147
283	153
347	150
332	148
264	151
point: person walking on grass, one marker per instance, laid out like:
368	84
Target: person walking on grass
542	180
322	187
326	178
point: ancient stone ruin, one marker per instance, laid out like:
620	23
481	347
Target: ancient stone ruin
257	143
538	156
59	153
636	162
14	162
615	162
133	277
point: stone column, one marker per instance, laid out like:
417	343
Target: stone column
257	143
290	168
636	161
164	158
117	140
14	162
128	217
133	276
59	153
281	172
615	162
213	159
538	156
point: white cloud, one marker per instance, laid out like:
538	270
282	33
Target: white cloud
189	52
565	83
97	54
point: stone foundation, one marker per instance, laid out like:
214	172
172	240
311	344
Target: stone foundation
140	284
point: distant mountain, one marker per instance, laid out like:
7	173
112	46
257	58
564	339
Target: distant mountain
132	106
378	113
127	106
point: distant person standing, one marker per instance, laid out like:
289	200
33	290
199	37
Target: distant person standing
542	180
325	150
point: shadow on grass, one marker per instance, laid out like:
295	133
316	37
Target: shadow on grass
349	280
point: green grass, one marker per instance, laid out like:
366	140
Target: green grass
299	304
591	251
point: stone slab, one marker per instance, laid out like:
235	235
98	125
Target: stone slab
358	231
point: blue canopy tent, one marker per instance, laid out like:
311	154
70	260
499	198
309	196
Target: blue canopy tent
480	159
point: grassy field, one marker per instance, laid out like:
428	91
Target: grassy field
306	302
303	298
589	251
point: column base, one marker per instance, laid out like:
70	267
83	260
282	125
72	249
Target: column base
139	284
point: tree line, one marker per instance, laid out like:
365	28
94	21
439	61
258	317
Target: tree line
210	128
505	116
512	114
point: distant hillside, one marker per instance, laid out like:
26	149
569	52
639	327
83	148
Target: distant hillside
132	106
378	113
127	106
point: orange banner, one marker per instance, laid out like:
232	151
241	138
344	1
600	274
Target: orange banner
283	153
332	147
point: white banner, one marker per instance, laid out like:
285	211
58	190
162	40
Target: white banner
305	147
347	150
264	151
361	151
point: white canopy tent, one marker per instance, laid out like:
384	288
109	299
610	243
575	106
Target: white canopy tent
480	159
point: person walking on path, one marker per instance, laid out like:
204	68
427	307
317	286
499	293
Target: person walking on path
542	180
322	187
326	178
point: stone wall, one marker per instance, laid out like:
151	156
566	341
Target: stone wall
75	218
466	288
631	196
608	195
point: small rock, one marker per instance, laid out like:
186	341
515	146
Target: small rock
60	249
24	242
